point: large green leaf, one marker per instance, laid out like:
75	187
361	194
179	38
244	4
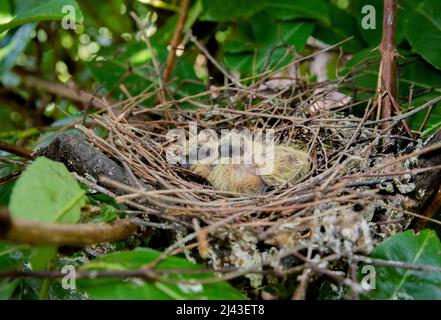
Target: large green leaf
342	27
6	170
433	123
398	283
99	15
424	78
47	192
271	33
423	29
240	38
42	10
15	44
10	256
265	43
127	65
413	71
225	10
7	288
137	289
5	11
114	64
289	9
373	36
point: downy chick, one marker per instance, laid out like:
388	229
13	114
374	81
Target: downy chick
290	166
243	171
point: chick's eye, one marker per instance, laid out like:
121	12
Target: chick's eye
208	153
232	149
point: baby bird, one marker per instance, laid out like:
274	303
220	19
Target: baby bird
246	171
290	166
240	178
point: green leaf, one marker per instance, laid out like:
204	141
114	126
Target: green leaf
265	43
137	289
373	36
225	10
114	65
433	123
7	288
99	15
423	29
15	44
40	256
11	256
5	12
289	9
239	39
420	74
107	214
342	27
270	33
412	71
398	283
47	192
42	10
129	63
6	170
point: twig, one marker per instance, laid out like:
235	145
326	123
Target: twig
398	264
81	235
9	178
314	267
300	293
398	118
176	40
212	60
17	150
146	273
431	209
60	90
142	28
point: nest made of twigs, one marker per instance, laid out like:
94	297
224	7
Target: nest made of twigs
334	210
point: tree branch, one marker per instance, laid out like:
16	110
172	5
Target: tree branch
176	40
78	235
17	150
61	90
388	66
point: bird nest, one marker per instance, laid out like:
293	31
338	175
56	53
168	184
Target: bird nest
353	195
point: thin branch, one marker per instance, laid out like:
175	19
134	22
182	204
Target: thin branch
213	60
431	209
61	90
176	40
78	235
317	269
142	27
388	66
399	264
17	150
398	118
